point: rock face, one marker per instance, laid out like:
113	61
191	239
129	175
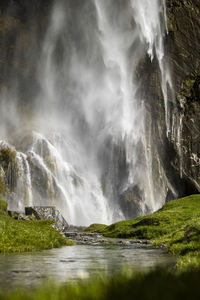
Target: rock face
183	44
183	47
48	213
175	158
186	135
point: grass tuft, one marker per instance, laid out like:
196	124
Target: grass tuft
156	284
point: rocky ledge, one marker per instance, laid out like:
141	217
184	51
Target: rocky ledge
42	213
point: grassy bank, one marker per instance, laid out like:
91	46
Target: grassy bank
158	284
23	236
176	225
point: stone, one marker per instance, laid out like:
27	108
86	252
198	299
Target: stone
23	217
48	213
13	214
19	216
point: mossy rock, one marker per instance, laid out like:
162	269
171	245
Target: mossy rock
3	187
7	157
3	206
191	87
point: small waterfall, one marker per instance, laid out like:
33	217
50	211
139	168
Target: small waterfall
86	150
78	195
24	185
15	172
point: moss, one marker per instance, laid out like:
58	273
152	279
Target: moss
7	157
95	228
191	86
24	236
9	166
3	187
176	225
3	207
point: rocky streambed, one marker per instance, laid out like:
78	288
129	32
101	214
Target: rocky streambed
77	235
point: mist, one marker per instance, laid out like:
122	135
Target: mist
76	115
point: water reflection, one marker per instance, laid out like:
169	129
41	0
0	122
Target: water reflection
70	263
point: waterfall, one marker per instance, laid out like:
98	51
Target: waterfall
147	15
84	148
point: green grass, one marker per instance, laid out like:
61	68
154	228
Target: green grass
3	207
96	228
176	226
23	236
157	284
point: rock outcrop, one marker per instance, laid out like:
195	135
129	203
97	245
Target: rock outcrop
182	46
175	158
48	213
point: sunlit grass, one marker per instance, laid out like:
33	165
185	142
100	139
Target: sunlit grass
176	226
23	236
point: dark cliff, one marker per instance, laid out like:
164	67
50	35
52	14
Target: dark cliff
175	158
184	56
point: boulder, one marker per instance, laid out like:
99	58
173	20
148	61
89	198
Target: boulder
48	213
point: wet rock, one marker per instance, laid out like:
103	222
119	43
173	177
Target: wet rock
175	158
23	217
131	202
183	46
13	214
19	216
83	238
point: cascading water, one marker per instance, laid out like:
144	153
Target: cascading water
85	150
147	16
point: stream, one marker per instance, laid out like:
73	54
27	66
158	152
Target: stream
79	261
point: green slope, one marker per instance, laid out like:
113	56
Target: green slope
176	225
23	236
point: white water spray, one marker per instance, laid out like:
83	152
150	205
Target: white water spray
88	113
150	17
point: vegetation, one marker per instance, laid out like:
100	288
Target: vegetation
3	187
7	161
157	284
96	228
3	207
176	226
23	236
7	157
191	86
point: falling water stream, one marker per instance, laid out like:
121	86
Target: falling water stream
83	149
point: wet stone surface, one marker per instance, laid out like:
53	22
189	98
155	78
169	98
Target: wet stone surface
82	238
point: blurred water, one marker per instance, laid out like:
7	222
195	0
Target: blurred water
72	263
